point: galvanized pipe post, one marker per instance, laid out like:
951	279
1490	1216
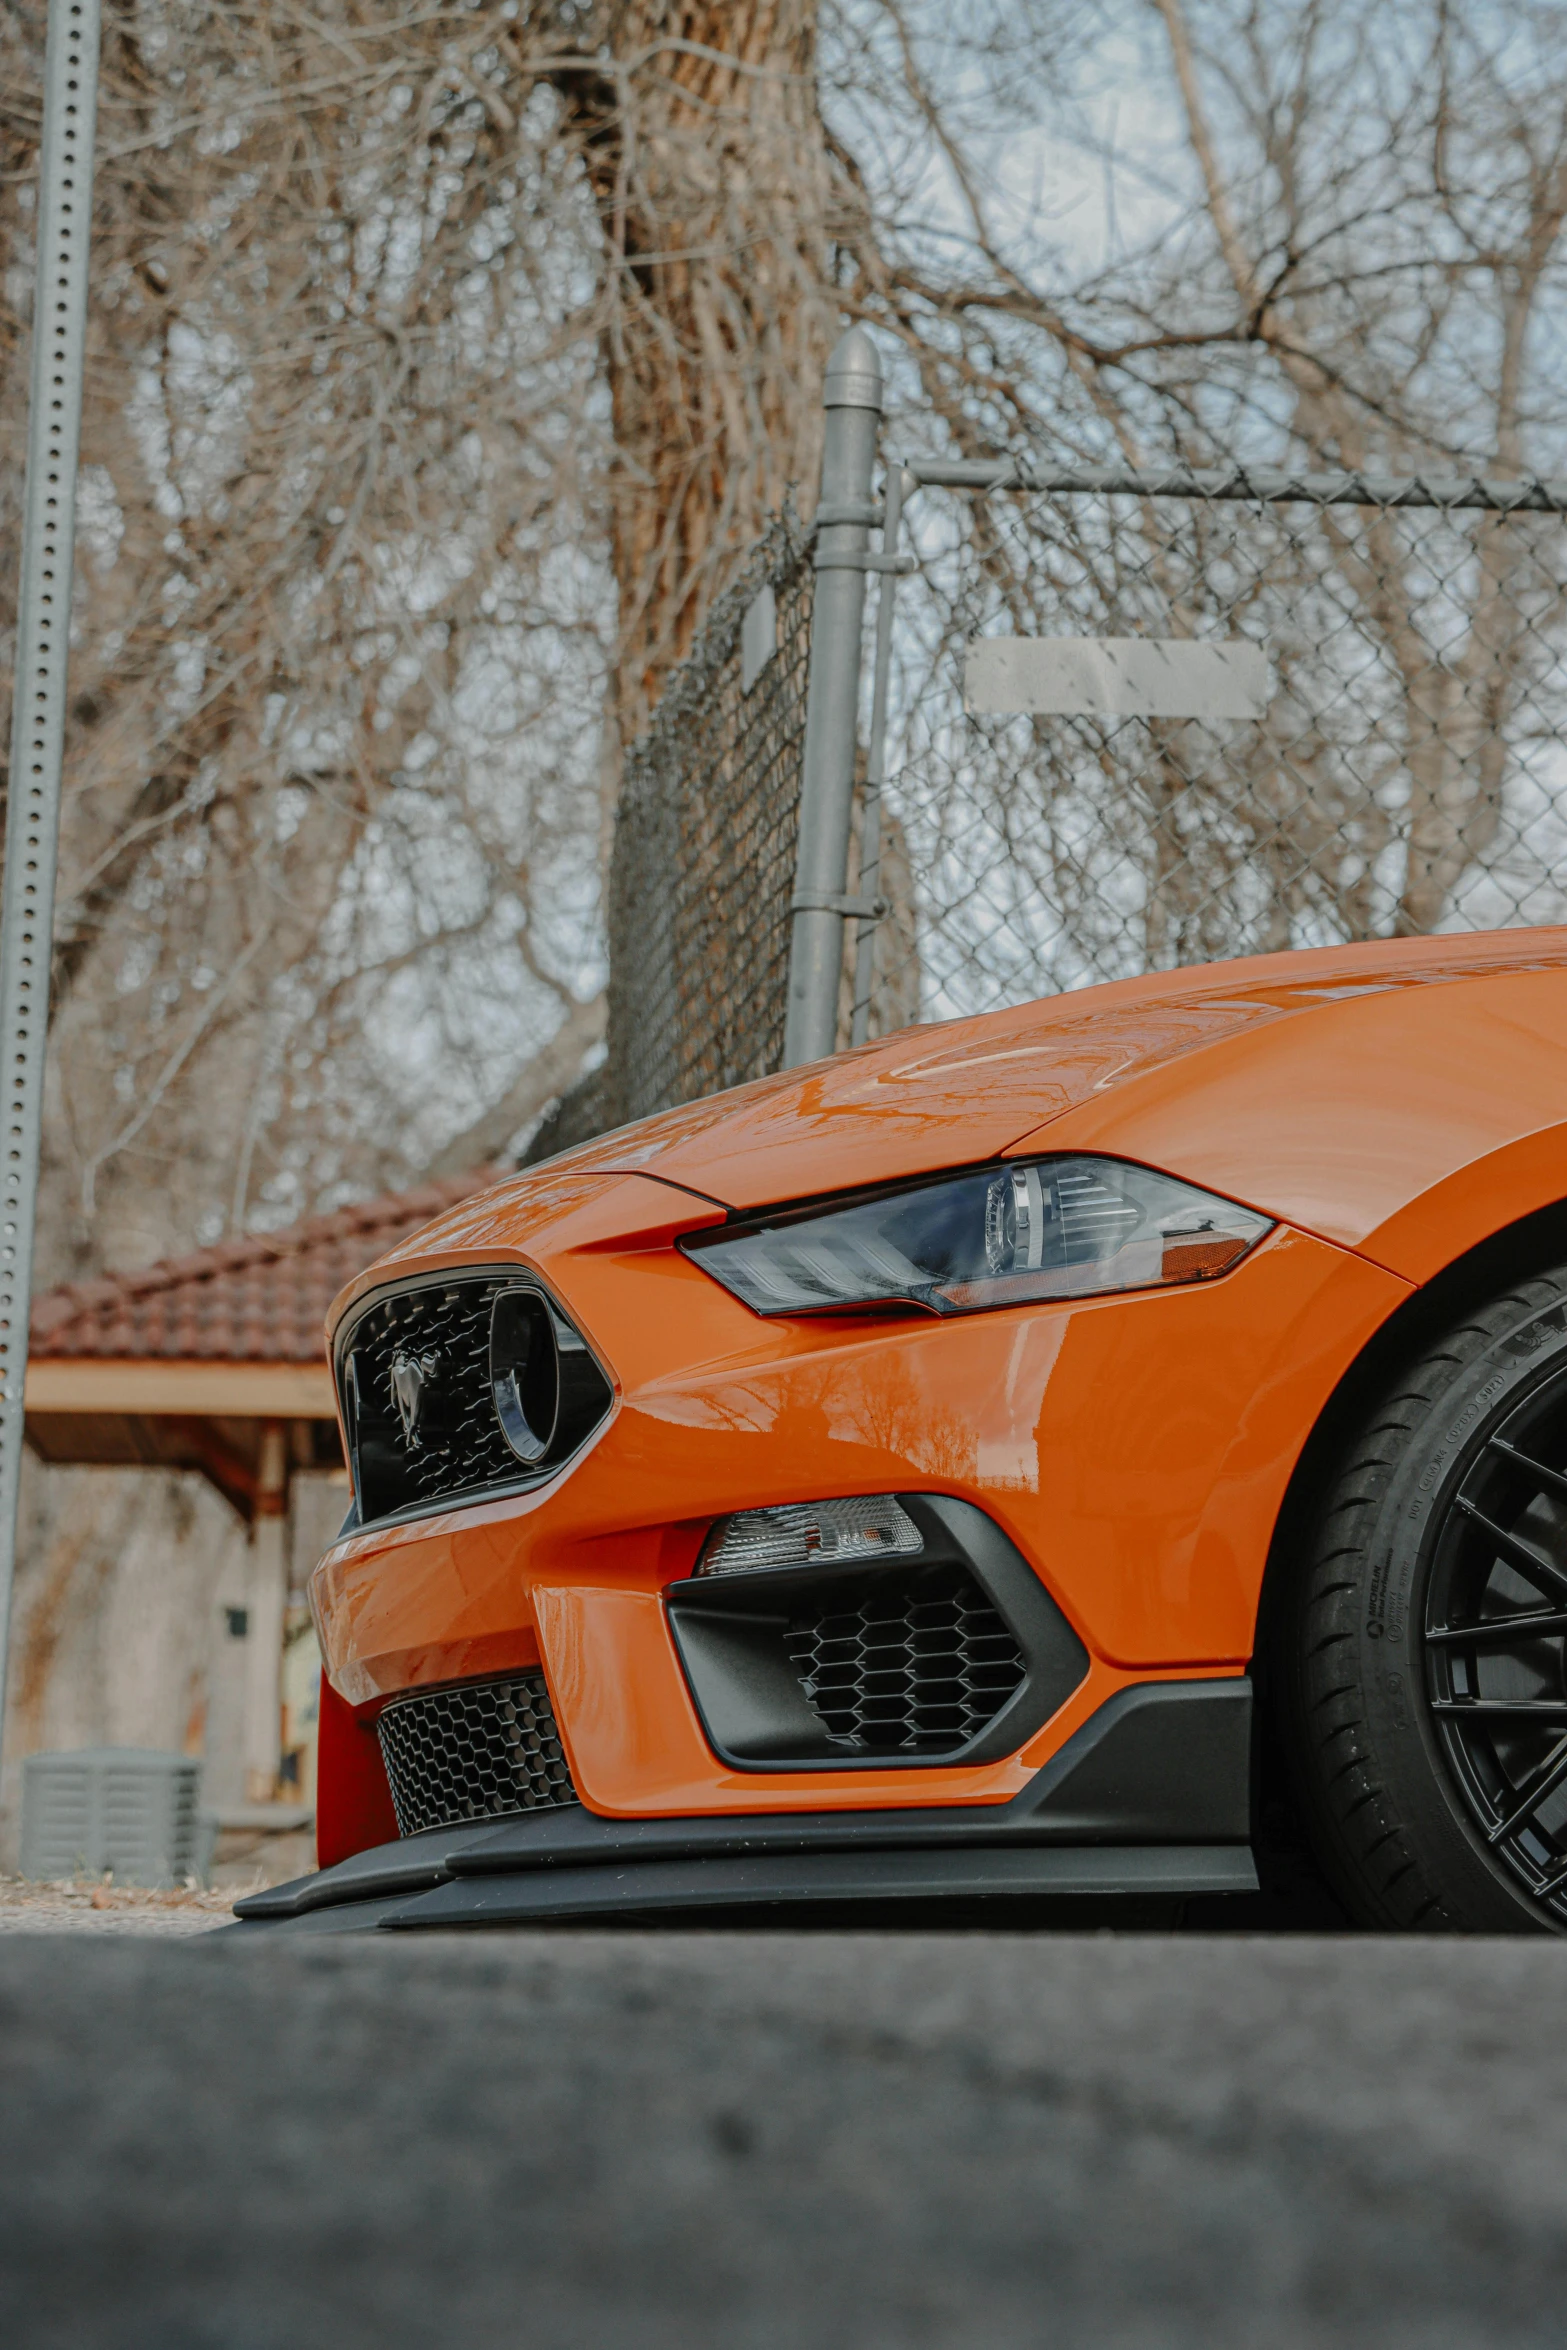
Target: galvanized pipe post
38	703
852	397
899	482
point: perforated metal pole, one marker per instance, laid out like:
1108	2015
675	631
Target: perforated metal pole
852	397
38	704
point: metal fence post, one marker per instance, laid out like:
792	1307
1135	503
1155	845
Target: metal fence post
898	484
852	398
38	702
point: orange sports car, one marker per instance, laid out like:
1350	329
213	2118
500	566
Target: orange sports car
1024	1458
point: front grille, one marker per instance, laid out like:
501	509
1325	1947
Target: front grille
906	1664
480	1751
457	1448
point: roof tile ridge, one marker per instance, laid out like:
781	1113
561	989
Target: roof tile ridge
387	1207
70	1298
77	1297
395	1207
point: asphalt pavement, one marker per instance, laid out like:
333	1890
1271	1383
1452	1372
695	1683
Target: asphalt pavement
781	2141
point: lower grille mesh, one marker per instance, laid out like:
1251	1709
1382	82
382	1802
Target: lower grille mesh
906	1665
480	1751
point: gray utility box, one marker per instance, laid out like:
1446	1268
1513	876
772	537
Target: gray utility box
123	1808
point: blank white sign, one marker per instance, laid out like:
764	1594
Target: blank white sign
758	637
1115	677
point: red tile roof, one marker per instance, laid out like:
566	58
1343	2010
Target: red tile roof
258	1300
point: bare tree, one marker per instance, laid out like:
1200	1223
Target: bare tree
340	641
707	162
1351	231
445	361
442	364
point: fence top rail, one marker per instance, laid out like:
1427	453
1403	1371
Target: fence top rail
1259	484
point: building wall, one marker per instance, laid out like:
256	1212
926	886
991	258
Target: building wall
122	1634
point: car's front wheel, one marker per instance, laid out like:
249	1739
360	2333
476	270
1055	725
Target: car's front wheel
1425	1634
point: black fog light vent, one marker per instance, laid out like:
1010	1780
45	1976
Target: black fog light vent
483	1750
956	1656
916	1665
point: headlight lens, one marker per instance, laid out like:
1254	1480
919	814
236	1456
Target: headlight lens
1042	1228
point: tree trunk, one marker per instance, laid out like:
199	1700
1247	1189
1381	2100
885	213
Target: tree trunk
709	166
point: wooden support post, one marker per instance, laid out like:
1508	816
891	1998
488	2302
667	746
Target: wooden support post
268	1600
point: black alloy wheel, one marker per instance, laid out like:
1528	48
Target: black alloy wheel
1424	1678
1495	1637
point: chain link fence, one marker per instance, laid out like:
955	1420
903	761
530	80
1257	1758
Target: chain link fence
706	838
1402	767
1405	769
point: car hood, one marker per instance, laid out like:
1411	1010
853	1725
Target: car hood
969	1090
1344	1090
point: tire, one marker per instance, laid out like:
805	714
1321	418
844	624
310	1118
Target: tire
1425	1726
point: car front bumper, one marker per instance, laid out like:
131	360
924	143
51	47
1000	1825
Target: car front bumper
1134	1449
1150	1798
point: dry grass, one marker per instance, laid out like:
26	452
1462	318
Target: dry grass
84	1907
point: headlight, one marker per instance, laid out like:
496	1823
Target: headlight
1039	1229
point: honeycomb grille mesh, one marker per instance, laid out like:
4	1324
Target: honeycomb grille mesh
420	1406
906	1664
481	1751
448	1327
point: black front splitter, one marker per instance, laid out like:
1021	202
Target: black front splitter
826	1880
796	1882
1150	1798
